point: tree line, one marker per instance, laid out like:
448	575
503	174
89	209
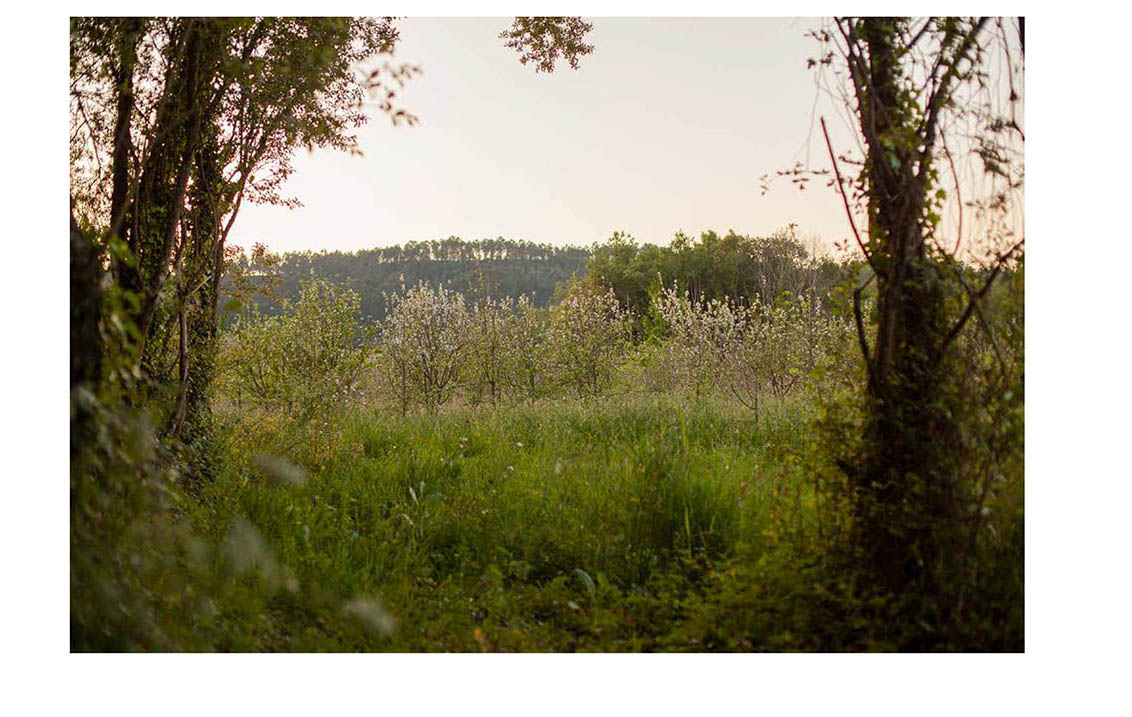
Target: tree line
712	266
500	267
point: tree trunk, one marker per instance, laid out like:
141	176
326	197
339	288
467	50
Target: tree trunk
904	494
86	309
120	167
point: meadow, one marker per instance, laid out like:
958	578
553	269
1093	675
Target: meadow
503	477
576	526
722	442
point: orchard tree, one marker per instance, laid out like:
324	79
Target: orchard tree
490	324
526	351
427	340
589	333
704	337
304	360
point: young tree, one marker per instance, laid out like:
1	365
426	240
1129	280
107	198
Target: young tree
426	340
704	338
527	349
589	332
304	360
490	324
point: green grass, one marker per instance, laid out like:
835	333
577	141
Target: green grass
564	526
632	524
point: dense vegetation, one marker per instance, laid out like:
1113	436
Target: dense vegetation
482	474
728	443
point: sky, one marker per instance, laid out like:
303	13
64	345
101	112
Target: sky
668	126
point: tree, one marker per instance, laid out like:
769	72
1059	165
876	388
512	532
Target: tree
589	331
526	351
426	340
908	82
490	324
306	359
205	113
705	338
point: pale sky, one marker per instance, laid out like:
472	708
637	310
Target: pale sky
667	126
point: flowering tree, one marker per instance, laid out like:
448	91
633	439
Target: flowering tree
750	348
426	338
704	337
526	350
490	319
589	331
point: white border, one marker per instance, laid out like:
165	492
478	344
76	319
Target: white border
1077	625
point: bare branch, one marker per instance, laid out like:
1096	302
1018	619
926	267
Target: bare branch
977	297
942	93
844	197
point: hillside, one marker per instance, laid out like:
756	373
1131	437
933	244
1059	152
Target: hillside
502	266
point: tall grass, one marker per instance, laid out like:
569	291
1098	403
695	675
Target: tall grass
522	527
642	523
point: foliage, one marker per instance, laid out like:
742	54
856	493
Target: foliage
743	268
303	361
543	40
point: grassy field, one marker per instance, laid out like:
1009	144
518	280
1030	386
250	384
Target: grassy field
631	524
566	526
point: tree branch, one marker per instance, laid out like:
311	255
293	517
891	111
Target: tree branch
844	197
977	297
862	340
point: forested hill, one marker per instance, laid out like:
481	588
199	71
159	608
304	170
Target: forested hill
711	266
503	267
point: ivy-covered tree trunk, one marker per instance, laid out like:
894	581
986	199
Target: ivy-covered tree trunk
906	493
195	428
165	179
